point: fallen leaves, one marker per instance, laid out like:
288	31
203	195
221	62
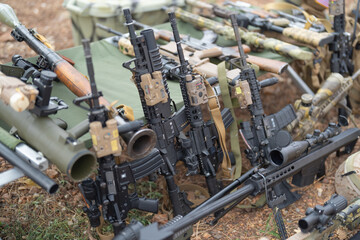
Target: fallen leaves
160	218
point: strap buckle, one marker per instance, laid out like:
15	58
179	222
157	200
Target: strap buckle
217	100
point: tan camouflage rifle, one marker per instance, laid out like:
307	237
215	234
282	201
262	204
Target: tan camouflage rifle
251	38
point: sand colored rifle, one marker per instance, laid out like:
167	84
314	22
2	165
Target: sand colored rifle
328	224
312	108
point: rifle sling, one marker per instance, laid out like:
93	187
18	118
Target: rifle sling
234	138
219	124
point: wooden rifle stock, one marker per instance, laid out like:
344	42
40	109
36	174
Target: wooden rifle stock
268	65
74	80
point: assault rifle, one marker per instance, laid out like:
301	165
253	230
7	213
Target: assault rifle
324	220
194	94
110	189
251	38
245	19
157	109
259	135
302	169
342	46
156	103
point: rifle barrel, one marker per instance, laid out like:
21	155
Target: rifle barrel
34	174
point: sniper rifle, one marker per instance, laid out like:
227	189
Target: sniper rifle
302	169
324	220
251	38
307	36
312	108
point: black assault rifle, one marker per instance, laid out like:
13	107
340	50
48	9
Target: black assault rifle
110	189
156	102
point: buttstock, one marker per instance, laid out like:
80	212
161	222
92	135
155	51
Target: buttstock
269	65
208	53
236	49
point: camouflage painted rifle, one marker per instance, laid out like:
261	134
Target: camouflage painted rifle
312	108
245	19
251	38
349	217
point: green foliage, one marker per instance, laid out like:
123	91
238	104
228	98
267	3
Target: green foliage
143	217
270	227
148	189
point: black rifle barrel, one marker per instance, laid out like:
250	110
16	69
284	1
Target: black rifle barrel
177	39
242	58
164	233
90	69
110	30
254	186
297	148
34	174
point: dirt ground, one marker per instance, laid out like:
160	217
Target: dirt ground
27	212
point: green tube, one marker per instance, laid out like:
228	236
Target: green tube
8	140
68	154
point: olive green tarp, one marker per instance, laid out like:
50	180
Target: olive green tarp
114	80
